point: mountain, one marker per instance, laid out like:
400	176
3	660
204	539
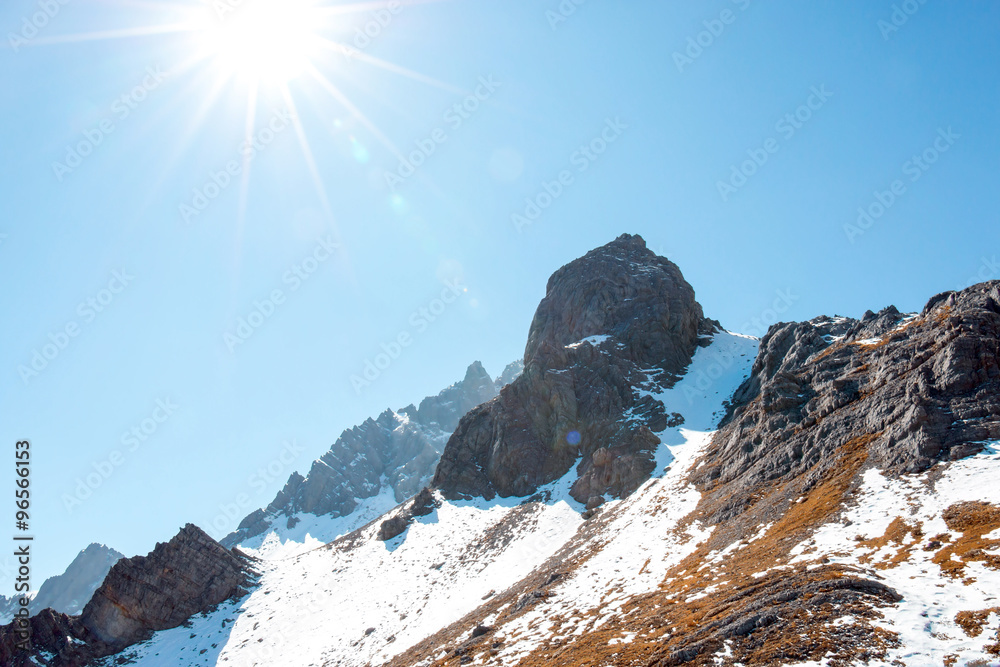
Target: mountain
585	398
70	591
652	490
191	574
366	472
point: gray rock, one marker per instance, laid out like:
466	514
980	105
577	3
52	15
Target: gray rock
921	392
423	504
188	575
573	396
400	449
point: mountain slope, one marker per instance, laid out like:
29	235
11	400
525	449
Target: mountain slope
656	491
363	601
366	472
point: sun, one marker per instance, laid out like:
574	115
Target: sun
261	46
261	41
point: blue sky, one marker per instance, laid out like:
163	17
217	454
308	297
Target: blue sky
635	117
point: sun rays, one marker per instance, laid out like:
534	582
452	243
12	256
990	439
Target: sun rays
264	52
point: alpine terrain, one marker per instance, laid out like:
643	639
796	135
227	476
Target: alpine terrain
69	591
648	489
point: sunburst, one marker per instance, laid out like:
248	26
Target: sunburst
251	47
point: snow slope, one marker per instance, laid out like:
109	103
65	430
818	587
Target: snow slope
360	601
925	619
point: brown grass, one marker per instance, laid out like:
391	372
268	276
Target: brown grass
974	520
669	620
895	535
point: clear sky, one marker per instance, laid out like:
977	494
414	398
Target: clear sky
740	138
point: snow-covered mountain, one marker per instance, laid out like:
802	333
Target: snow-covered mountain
651	490
366	472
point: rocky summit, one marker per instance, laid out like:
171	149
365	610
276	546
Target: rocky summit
618	318
651	490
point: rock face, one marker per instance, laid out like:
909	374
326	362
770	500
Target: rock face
188	575
56	639
918	389
584	361
141	595
399	449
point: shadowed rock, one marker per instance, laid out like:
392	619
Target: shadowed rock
615	318
423	504
185	576
188	575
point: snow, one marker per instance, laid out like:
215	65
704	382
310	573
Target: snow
315	603
312	532
925	619
595	341
641	541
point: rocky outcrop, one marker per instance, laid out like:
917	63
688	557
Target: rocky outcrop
423	504
399	449
188	575
919	389
52	639
185	576
619	317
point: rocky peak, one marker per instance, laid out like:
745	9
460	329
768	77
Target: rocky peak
625	291
511	373
398	449
616	318
70	591
445	409
187	575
